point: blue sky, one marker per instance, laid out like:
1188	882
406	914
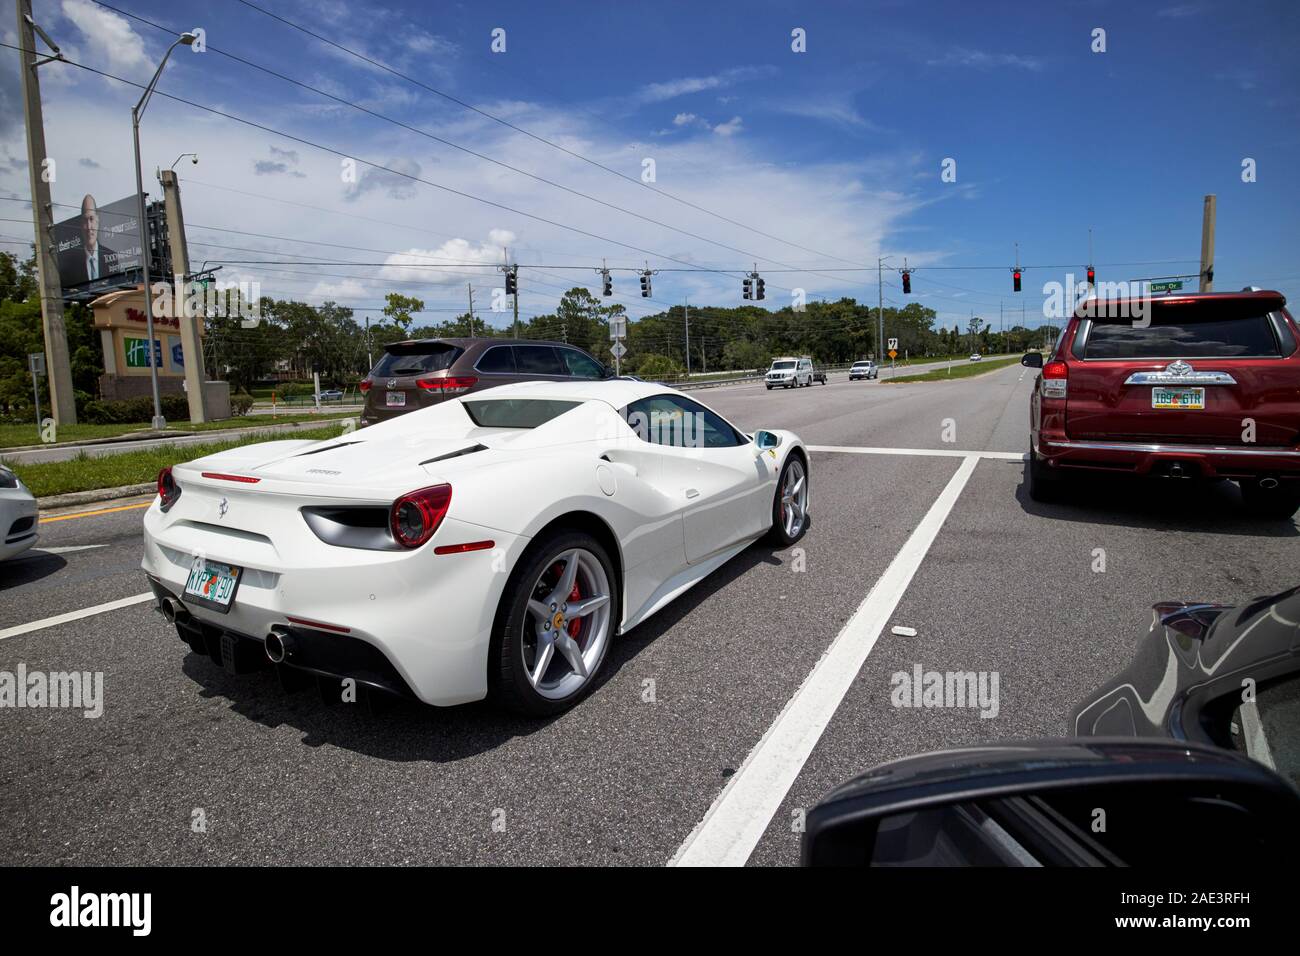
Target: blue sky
837	149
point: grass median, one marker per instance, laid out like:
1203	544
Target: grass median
958	370
18	436
86	473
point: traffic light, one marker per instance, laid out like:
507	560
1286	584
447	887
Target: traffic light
1015	279
749	288
760	294
607	284
1092	277
645	285
512	284
907	282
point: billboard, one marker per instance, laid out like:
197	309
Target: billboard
97	249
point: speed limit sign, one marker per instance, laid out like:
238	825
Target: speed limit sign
893	344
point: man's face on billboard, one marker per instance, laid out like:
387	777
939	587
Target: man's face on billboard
89	224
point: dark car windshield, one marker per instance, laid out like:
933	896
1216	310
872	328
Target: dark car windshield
416	359
515	412
1193	337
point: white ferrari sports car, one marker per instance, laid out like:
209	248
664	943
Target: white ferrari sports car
489	546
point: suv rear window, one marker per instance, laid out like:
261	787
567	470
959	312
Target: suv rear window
1167	337
415	359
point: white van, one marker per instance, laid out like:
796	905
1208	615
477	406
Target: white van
789	372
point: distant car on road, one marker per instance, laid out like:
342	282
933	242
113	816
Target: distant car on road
331	395
1196	386
789	372
975	356
18	511
864	370
419	373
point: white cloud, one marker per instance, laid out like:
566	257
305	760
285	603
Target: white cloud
670	89
980	59
108	34
730	127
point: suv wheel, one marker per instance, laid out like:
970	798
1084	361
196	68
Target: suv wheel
1043	484
1276	504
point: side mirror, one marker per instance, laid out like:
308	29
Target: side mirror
1032	360
1079	802
765	440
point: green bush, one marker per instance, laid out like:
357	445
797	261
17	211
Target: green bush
240	404
125	411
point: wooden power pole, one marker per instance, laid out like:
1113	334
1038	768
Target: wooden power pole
57	361
1207	245
190	325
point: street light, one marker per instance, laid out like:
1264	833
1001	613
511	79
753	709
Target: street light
136	112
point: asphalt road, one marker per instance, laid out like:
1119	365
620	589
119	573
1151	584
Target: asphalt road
922	495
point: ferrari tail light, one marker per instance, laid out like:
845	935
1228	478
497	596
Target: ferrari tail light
452	385
1056	377
168	489
365	385
416	516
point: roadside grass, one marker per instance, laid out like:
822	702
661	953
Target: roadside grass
967	370
13	436
86	473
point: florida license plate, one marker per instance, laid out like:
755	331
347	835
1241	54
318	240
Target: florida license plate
396	399
212	584
1177	398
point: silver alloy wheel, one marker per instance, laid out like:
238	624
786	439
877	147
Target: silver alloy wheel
794	498
558	661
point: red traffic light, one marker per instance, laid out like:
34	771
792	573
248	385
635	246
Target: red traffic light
907	282
1015	279
1092	276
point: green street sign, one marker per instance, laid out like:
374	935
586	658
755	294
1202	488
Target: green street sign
1172	286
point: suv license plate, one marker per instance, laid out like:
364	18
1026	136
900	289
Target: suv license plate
1177	398
396	399
212	584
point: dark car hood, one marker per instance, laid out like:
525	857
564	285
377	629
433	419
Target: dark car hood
1189	648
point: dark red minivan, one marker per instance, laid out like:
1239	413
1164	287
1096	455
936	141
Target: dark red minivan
1187	386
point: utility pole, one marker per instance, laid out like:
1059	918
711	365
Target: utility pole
880	311
370	362
470	286
58	365
189	325
1207	245
686	313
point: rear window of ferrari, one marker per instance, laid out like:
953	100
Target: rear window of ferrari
1196	336
515	412
416	358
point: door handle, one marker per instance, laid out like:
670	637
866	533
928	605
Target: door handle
692	493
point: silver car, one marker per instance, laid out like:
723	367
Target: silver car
18	511
866	370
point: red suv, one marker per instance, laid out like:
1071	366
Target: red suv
1196	386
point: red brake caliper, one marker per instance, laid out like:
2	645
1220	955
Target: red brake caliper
575	625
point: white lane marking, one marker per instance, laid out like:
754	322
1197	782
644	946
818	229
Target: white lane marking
75	615
923	452
735	823
69	549
903	631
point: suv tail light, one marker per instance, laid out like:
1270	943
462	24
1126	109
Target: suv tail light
416	516
365	385
1056	377
168	489
451	385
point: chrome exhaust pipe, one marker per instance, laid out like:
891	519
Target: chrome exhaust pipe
173	611
1176	471
1268	483
278	644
